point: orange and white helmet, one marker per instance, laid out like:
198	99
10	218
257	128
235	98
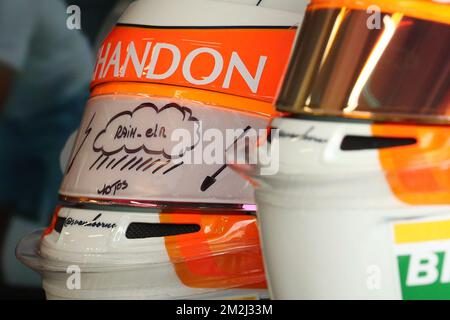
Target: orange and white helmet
139	221
119	253
362	194
204	68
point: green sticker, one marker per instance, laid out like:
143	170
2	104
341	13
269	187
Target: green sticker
425	275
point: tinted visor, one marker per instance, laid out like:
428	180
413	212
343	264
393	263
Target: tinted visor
387	60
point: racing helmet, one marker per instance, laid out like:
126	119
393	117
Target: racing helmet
137	220
363	184
112	252
168	89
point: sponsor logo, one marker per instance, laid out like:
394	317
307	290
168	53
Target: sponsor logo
423	257
245	62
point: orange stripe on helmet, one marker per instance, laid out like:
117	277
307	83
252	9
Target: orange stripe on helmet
52	225
225	253
207	97
418	174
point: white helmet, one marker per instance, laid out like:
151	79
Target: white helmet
360	205
140	222
157	74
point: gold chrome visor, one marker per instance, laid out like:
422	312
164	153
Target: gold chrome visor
373	59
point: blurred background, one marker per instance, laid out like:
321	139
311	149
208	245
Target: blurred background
45	68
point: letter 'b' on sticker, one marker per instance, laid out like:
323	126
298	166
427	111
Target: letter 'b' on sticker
423	269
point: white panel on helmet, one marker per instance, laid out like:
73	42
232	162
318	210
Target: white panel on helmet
218	13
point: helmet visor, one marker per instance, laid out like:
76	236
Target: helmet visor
375	59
